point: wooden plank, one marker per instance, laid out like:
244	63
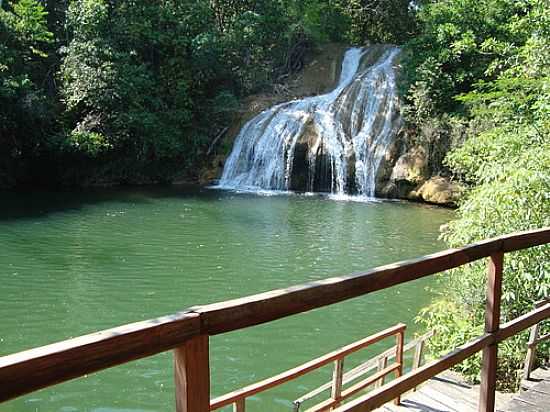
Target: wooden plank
265	307
492	323
418	351
239	405
382	364
380	396
522	322
364	367
400	338
337	377
352	390
535	398
526	239
531	351
423	402
293	373
192	375
465	398
448	399
38	368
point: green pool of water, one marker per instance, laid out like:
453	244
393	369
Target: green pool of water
74	263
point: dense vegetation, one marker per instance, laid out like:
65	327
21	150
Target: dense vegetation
483	66
98	91
121	91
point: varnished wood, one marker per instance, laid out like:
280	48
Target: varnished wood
265	307
382	364
352	390
391	390
28	371
400	339
38	368
371	364
522	322
293	373
337	377
192	375
239	405
492	323
534	339
380	396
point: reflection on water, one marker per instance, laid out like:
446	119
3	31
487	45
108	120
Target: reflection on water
73	263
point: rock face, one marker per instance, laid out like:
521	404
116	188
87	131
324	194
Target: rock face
411	179
342	136
406	169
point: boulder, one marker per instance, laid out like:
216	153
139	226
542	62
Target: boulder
411	166
438	190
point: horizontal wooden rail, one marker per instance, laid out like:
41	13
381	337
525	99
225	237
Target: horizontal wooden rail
28	371
265	307
38	368
364	368
331	403
380	396
298	371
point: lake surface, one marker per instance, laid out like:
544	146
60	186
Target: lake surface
74	263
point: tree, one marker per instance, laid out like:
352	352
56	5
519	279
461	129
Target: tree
507	165
26	113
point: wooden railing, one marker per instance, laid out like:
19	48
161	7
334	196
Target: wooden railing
378	363
534	340
187	333
338	395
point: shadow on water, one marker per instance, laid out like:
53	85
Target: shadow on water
31	204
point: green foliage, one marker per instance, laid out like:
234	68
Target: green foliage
25	111
458	42
138	88
507	163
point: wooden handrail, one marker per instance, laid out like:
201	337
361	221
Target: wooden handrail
265	307
28	371
298	371
38	368
534	340
380	396
368	366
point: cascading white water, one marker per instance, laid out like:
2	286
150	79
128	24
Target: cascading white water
341	136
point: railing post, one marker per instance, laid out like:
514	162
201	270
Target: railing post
400	337
382	364
337	377
492	324
239	405
417	359
192	375
532	345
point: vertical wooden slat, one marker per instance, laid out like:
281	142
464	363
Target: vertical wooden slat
337	377
417	359
418	351
382	364
531	352
492	324
400	337
192	375
239	405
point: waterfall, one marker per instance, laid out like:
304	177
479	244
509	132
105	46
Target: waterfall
332	142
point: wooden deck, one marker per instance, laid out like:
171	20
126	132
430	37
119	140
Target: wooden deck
447	392
535	395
